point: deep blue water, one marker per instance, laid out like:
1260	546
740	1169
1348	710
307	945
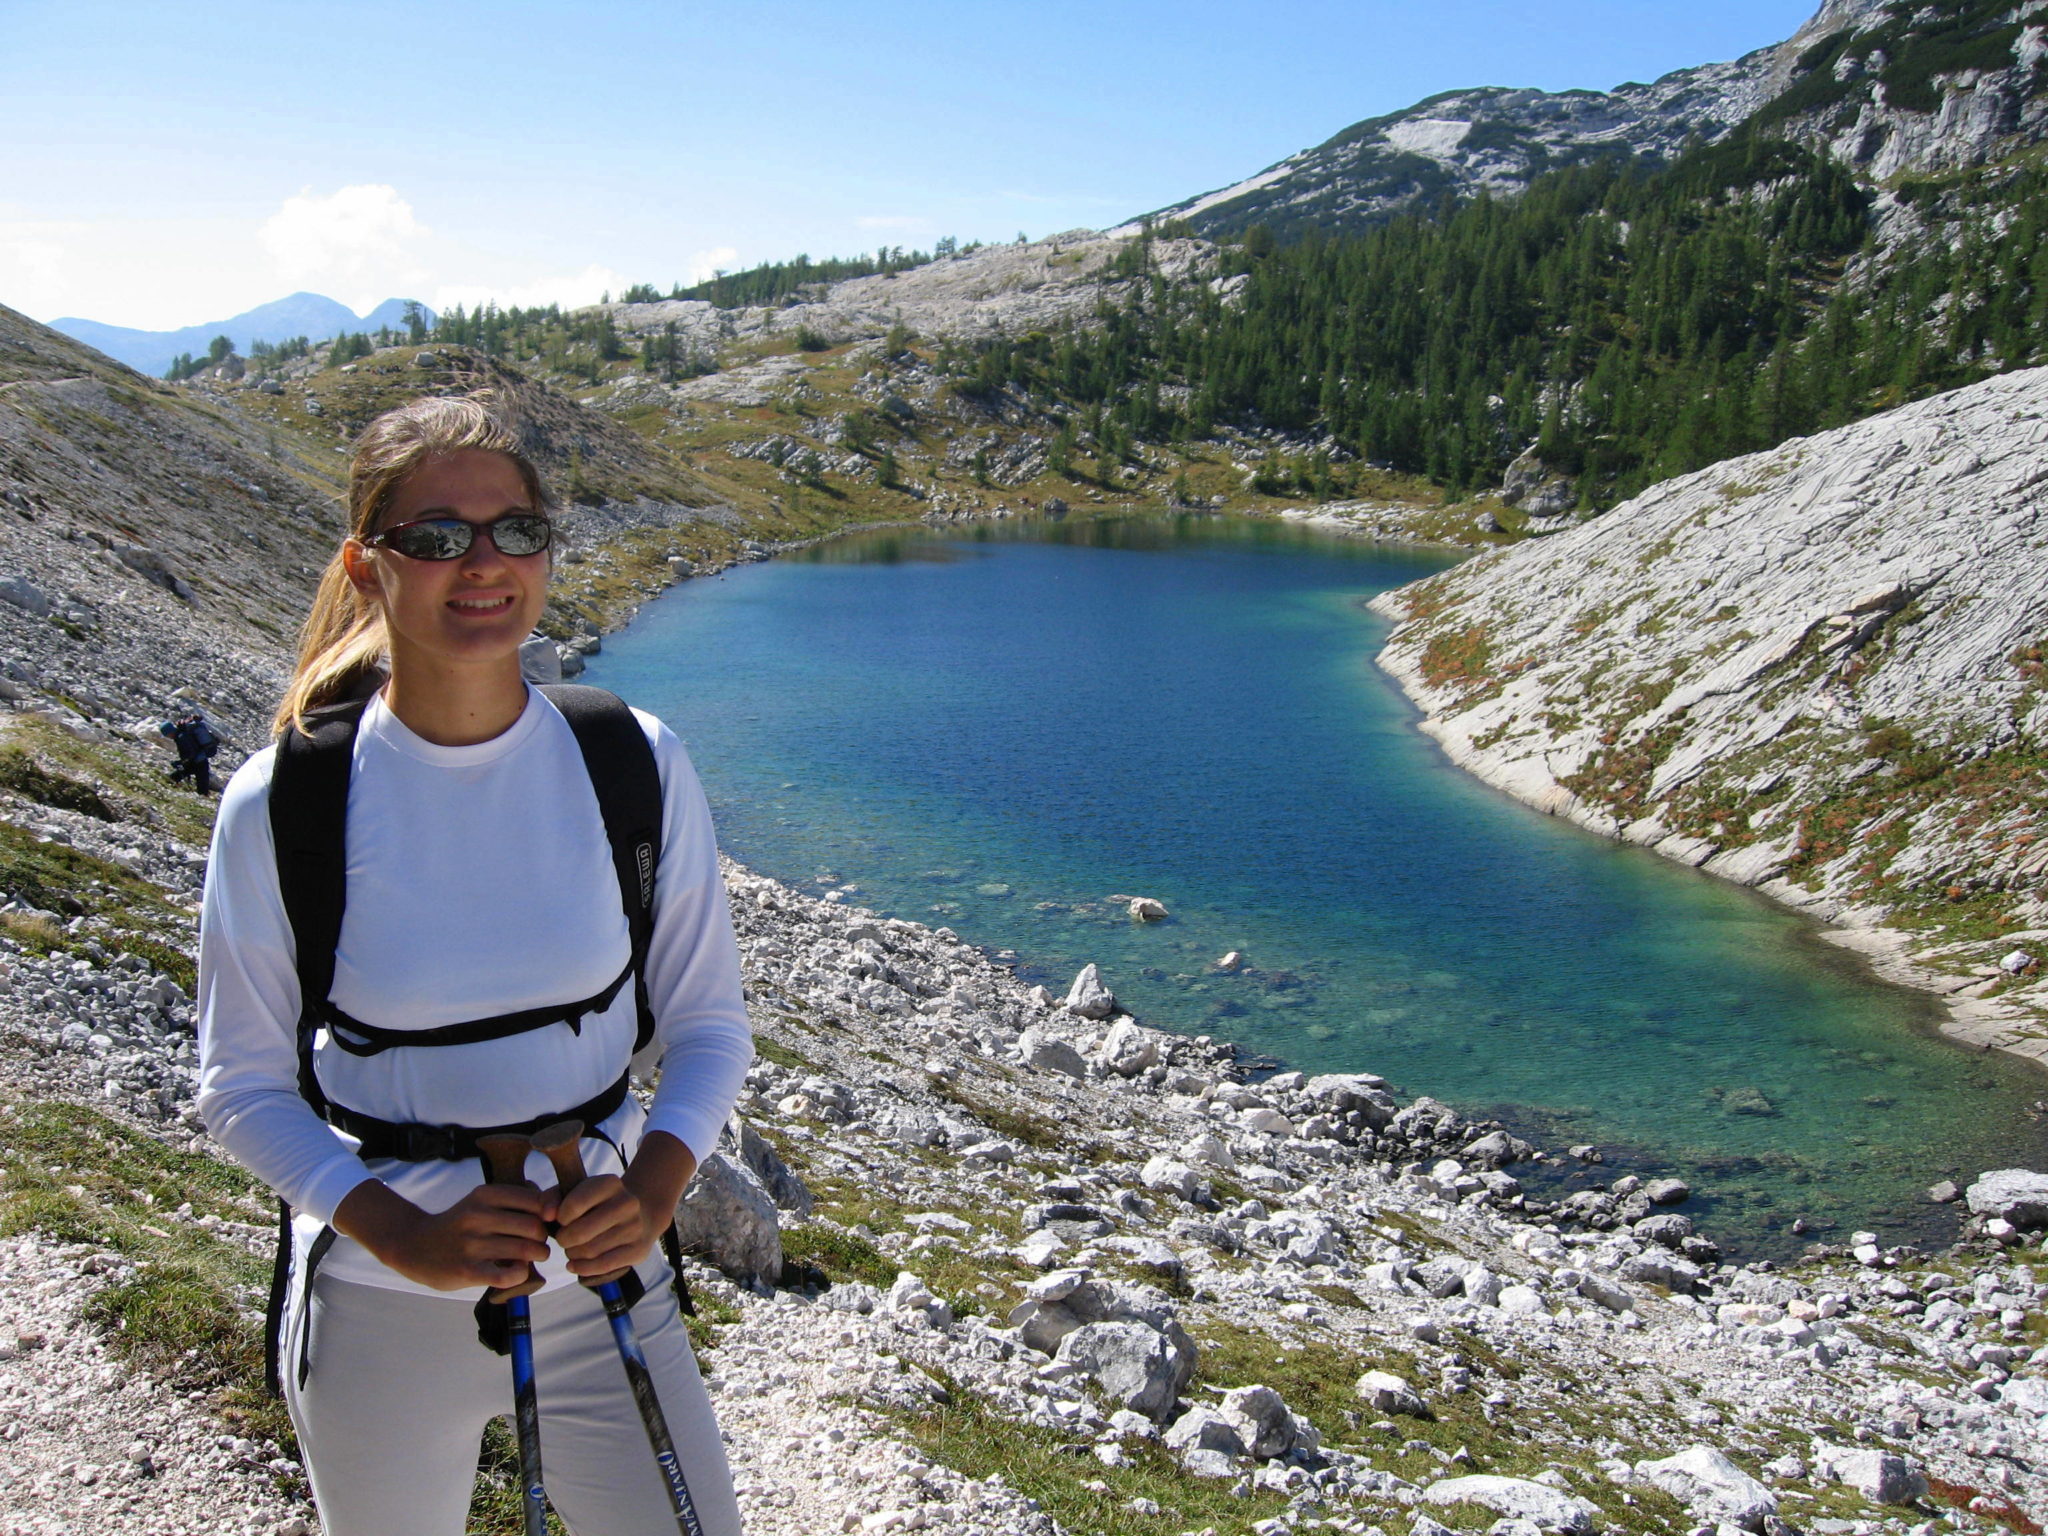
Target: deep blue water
1002	729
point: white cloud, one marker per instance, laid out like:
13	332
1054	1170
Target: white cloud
571	290
35	275
359	244
705	265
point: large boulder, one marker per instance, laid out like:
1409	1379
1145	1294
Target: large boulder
1712	1487
789	1192
1879	1476
1496	1149
1139	1367
1261	1419
1163	1175
1385	1392
1203	1428
1128	1050
25	595
1516	1498
1043	1324
1088	996
1049	1053
539	661
2017	1195
728	1220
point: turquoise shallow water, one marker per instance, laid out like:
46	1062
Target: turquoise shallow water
1001	729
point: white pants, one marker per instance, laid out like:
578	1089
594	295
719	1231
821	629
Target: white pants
398	1391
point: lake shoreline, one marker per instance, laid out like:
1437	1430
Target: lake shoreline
1973	1022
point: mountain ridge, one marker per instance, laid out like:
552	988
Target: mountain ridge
1940	95
312	315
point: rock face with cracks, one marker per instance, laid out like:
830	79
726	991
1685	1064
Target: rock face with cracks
1814	670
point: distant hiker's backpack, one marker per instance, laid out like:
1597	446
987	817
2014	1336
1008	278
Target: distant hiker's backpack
308	820
201	736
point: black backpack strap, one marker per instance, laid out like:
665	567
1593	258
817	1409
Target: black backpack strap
359	1039
308	818
273	1311
628	785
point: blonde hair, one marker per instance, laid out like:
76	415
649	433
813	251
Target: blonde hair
342	645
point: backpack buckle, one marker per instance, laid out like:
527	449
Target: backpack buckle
432	1143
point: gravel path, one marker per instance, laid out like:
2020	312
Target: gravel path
92	1447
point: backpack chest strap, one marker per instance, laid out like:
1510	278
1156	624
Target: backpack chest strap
360	1039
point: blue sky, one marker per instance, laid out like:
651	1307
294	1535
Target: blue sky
166	165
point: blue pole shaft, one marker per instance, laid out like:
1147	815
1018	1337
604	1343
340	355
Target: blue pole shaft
641	1381
526	1417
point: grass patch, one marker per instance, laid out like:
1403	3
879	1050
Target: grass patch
22	774
1318	1379
841	1255
191	1314
712	1314
768	1048
496	1507
1029	1130
1462	656
128	780
179	1321
1053	1468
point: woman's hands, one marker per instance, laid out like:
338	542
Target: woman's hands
494	1234
610	1223
491	1236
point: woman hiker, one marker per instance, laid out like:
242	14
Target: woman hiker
470	962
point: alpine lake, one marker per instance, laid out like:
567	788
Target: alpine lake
1009	729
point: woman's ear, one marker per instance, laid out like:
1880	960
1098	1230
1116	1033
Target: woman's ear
362	569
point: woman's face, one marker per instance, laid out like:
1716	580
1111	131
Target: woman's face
475	609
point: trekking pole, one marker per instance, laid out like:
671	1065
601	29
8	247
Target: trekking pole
559	1142
507	1157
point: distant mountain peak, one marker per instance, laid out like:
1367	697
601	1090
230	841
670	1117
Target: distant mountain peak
312	315
1872	83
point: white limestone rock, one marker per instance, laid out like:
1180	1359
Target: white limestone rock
2017	1195
1088	996
1516	1498
1262	1421
1713	1487
1142	1368
1388	1393
1128	1049
728	1219
1049	1053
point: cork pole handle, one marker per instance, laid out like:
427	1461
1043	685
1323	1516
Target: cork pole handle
506	1157
561	1145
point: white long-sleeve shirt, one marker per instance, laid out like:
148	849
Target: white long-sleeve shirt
480	882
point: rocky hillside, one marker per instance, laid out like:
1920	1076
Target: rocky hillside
1817	670
166	537
974	1259
990	290
1887	86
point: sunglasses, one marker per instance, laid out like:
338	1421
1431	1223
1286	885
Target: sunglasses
449	538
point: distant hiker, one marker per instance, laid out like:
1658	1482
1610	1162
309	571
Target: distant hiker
196	743
447	904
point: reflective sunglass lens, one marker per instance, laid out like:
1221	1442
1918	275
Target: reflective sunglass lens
441	539
521	534
449	538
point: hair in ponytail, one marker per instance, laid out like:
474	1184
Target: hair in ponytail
342	645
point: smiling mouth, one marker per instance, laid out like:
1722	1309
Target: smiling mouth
480	604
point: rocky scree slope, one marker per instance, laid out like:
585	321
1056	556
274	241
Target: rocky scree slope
1040	1267
994	290
1816	670
1888	86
